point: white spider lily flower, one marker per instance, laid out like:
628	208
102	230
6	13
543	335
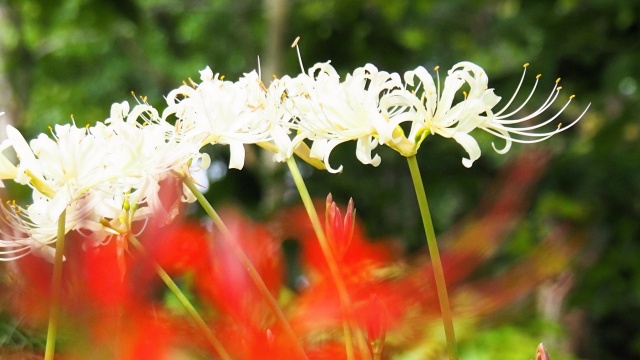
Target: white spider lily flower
435	111
63	168
144	150
222	112
329	112
117	167
33	229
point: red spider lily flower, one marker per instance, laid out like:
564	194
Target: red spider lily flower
339	231
224	281
376	325
541	353
404	290
102	314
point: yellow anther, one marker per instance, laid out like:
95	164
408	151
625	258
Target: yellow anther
557	80
86	126
275	76
221	77
193	84
559	125
50	128
133	93
571	97
184	83
295	42
436	68
465	94
559	88
538	76
526	65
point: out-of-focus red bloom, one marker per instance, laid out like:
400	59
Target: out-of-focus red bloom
225	282
377	276
111	314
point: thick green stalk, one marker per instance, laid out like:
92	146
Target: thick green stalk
441	285
191	310
326	250
248	265
56	285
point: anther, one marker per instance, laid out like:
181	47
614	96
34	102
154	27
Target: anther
571	97
295	42
538	76
559	126
557	80
436	68
526	65
221	77
559	88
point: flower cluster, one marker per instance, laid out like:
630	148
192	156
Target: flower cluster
108	176
105	177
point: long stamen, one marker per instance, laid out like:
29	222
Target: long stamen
547	103
295	45
513	97
540	136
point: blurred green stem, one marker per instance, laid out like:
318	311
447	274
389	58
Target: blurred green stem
441	285
247	264
191	310
56	288
326	250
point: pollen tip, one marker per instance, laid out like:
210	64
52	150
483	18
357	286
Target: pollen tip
559	125
538	76
295	42
436	68
559	88
221	77
133	93
571	97
526	65
558	80
275	76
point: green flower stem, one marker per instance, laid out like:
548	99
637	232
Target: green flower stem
191	310
56	285
441	285
326	250
248	265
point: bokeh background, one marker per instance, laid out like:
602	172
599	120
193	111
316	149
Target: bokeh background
77	57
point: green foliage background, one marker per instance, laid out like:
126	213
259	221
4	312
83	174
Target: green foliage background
59	58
